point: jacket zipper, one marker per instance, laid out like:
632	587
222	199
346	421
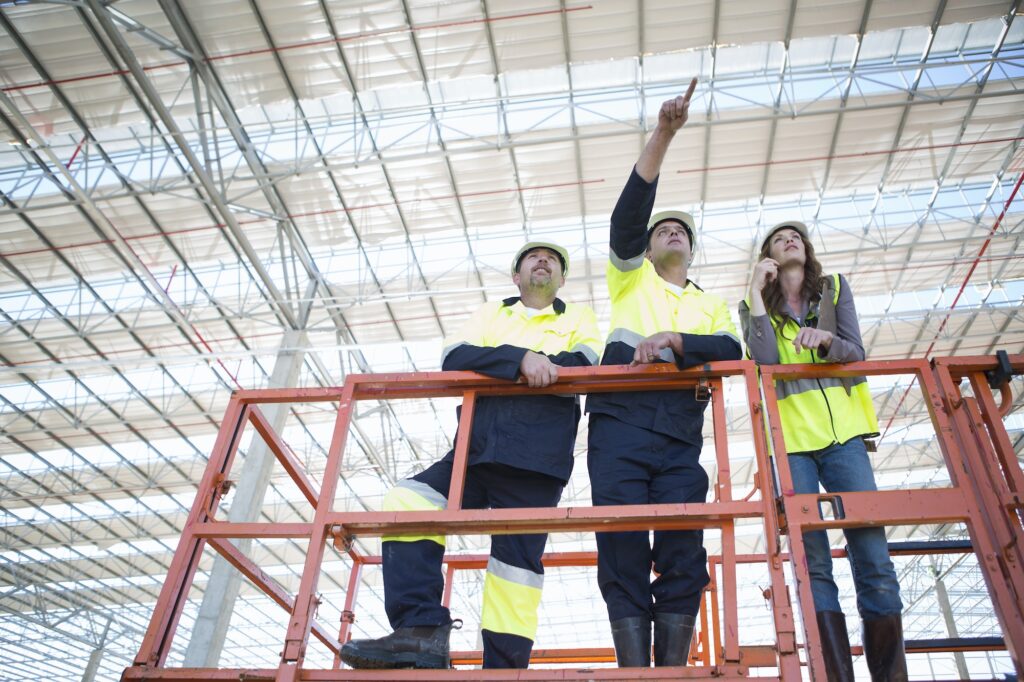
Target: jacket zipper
831	421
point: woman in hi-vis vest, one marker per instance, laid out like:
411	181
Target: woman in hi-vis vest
795	314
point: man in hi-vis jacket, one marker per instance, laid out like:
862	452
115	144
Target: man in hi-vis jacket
520	455
645	446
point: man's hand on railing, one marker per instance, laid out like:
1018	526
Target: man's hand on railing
537	370
649	350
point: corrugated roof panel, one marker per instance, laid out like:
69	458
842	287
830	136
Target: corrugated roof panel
827	18
602	32
901	14
527	35
754	23
731	152
488	190
871	131
973	10
800	155
672	26
452	38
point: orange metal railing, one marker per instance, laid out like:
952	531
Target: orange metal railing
986	493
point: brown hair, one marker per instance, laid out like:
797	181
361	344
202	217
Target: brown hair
774	299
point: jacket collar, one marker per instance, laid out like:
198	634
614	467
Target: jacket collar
558	304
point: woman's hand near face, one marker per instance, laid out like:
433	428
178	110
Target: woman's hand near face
765	271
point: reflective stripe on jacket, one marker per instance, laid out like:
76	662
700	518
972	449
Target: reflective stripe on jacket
816	413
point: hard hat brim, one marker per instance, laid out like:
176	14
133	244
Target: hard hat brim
563	255
682	217
793	224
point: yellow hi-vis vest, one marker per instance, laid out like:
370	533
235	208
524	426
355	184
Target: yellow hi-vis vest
816	413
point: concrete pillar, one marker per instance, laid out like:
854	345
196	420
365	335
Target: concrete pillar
93	665
947	615
96	656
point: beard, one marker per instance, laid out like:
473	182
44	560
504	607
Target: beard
540	279
540	282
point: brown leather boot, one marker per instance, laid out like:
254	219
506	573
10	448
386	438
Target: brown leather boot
884	650
835	646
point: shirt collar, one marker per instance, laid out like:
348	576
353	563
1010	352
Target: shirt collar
691	287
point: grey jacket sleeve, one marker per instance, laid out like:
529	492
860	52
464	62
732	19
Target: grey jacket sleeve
847	345
759	336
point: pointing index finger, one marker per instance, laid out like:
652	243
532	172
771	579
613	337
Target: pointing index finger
689	91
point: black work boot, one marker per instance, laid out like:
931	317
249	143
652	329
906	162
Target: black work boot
423	646
672	635
632	638
835	646
884	650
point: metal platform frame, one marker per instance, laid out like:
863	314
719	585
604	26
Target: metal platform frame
986	496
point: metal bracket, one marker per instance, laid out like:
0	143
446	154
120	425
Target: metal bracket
342	540
703	390
838	512
221	485
224	486
1003	373
780	514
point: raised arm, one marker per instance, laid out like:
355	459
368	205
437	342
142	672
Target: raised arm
671	117
628	238
758	332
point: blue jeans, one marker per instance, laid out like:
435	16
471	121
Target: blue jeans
846	468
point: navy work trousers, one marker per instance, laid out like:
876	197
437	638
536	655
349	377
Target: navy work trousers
413	582
632	465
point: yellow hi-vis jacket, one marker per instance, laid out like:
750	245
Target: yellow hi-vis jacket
644	304
816	413
535	433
